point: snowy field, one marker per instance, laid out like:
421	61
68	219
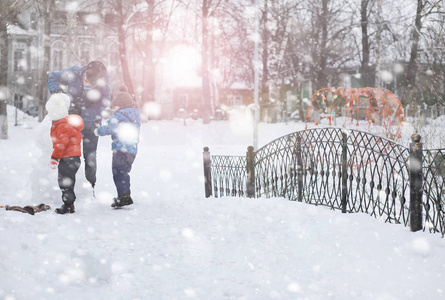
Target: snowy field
173	243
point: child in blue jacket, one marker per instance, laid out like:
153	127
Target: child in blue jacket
124	128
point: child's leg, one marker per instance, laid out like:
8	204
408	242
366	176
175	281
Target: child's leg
68	167
89	146
122	162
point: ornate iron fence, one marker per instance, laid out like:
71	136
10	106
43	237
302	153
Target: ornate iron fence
227	173
348	170
433	170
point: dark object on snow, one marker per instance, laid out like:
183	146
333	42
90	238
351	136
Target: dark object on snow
29	209
33	111
122	201
64	209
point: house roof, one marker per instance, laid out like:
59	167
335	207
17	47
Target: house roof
16	30
239	86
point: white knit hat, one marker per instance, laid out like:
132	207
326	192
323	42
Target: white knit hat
57	106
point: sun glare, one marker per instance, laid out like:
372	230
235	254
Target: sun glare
181	67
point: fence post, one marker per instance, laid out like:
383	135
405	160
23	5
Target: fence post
299	170
207	172
250	168
415	183
344	171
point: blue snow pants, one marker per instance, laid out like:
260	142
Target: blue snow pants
121	166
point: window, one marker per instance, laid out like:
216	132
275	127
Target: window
84	56
111	19
60	16
58	59
114	59
113	56
347	81
33	21
19	60
58	56
84	53
235	100
183	101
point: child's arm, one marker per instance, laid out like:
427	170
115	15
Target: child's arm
61	143
108	128
58	79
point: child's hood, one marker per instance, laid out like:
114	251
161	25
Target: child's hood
73	120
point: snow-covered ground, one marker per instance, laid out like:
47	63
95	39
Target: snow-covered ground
173	243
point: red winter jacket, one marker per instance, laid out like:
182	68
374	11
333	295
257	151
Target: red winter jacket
66	137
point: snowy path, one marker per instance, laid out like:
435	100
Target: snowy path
175	244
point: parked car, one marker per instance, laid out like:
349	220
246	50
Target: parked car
32	111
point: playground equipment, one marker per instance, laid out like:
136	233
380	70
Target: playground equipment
374	106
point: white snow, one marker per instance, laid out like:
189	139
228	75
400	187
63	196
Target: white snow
174	243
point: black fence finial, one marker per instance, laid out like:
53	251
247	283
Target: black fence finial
207	172
250	167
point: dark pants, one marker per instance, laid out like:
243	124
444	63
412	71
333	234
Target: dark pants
121	166
68	167
89	154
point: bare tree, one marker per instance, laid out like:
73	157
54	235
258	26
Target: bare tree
122	11
45	10
149	65
327	40
135	23
282	22
366	69
208	9
264	85
378	38
433	72
410	82
424	9
9	10
5	7
297	60
156	16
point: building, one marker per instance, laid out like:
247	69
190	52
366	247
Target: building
81	34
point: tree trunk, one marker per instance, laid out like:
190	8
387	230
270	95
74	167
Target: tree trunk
214	88
3	121
322	78
46	17
411	75
264	96
3	80
149	66
205	64
123	48
378	37
300	101
365	68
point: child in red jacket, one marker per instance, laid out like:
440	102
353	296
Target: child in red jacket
66	138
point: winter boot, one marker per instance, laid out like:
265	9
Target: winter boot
66	209
122	201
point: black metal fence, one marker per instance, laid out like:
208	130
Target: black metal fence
348	170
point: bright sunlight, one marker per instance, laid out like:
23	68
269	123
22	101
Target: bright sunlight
181	67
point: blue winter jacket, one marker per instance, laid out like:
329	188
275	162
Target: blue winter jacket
124	127
92	102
